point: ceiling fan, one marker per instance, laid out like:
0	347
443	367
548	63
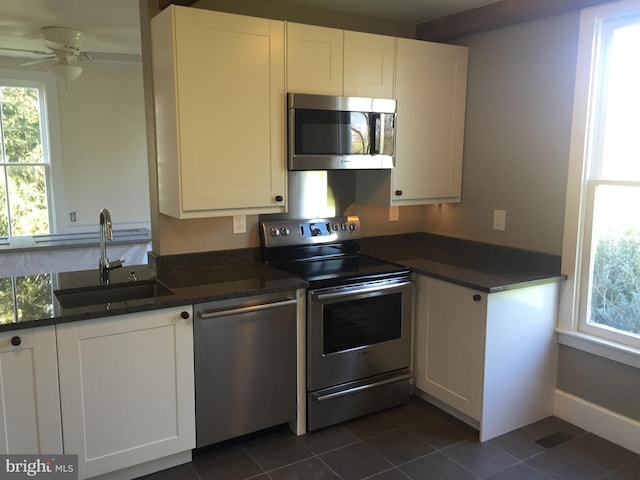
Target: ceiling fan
64	53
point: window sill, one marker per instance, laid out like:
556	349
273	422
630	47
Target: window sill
72	240
601	347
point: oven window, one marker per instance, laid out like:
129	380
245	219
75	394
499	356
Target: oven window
357	323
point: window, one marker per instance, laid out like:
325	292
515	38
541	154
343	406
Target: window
24	161
26	298
602	228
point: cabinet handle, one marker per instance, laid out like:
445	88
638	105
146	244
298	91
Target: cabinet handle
477	297
399	193
185	315
15	341
279	198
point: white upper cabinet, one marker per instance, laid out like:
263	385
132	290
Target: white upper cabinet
430	89
328	61
314	59
220	81
220	105
431	86
369	63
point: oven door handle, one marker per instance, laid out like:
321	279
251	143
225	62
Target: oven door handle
318	397
373	288
237	311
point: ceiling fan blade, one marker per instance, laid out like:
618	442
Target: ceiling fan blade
111	57
40	60
19	51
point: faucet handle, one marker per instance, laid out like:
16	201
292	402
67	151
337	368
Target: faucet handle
115	264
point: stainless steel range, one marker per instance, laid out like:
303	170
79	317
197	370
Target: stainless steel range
358	317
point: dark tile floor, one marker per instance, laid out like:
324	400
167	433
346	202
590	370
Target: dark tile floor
415	441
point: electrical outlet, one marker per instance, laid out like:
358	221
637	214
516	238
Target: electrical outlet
72	217
239	224
499	220
394	214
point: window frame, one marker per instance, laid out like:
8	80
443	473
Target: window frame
50	135
573	329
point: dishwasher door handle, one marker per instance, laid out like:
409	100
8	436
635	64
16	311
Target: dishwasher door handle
205	314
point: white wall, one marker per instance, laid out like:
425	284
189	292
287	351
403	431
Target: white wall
518	126
104	152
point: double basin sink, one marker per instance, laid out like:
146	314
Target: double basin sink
105	294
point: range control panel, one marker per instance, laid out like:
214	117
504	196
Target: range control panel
281	233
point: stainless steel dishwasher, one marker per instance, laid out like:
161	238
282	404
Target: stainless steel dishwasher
245	365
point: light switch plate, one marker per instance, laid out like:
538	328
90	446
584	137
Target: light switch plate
239	224
394	214
499	220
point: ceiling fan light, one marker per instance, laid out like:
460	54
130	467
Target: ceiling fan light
64	71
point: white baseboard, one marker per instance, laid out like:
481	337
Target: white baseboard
593	418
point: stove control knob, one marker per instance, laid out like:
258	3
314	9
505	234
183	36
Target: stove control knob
343	226
274	232
352	226
336	226
284	230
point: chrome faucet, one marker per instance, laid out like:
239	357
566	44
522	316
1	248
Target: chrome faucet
106	233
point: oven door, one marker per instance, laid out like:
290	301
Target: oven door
358	331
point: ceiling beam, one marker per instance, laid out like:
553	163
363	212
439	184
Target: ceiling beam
496	15
162	4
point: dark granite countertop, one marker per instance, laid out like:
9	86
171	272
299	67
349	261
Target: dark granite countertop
210	276
484	267
30	301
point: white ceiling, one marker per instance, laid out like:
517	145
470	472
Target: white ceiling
113	25
108	25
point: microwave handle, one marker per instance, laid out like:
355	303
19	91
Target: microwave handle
376	133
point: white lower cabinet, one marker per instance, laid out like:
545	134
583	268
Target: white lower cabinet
489	359
29	399
126	388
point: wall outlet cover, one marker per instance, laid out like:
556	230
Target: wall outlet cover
239	224
499	220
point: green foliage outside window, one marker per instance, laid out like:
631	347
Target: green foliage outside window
615	294
23	194
25	298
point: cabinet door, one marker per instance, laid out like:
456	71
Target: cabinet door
29	399
220	105
126	388
314	59
369	65
431	81
450	326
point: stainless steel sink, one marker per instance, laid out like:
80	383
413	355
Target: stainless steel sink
104	294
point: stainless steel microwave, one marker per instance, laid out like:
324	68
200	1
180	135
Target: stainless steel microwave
335	133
